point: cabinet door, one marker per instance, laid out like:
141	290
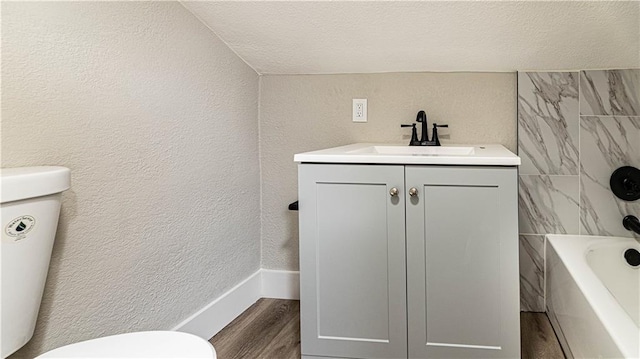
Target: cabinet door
462	262
352	261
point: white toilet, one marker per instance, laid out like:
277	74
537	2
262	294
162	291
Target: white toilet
30	201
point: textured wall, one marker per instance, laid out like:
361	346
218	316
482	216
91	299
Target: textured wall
158	121
574	130
304	113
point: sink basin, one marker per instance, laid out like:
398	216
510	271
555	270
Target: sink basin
401	154
417	150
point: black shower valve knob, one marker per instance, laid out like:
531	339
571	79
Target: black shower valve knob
625	183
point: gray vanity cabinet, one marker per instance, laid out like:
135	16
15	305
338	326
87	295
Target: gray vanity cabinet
462	262
352	261
429	272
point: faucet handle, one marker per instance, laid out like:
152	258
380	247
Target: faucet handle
414	135
436	140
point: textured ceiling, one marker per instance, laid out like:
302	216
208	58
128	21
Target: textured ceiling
319	37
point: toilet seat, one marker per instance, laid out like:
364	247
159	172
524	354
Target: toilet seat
153	344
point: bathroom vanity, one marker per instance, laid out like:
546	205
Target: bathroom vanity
409	252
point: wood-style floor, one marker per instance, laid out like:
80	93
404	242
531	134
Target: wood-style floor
537	338
270	329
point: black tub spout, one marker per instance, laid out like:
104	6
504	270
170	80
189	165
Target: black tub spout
631	223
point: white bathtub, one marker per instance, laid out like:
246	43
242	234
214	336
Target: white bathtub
593	296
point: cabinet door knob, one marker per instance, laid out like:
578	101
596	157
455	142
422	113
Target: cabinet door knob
413	192
393	192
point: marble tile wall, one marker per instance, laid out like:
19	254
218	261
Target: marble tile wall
574	130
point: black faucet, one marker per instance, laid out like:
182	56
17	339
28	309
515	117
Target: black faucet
422	117
424	138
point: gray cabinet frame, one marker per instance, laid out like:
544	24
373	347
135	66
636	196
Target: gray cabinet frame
369	259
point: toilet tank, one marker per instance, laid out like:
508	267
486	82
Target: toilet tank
30	205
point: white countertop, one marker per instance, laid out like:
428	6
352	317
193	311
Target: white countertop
384	153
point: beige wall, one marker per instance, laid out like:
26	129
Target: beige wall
158	121
310	112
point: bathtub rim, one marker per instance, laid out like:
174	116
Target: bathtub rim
572	250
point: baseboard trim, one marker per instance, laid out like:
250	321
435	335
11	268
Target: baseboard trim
280	284
209	320
264	283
